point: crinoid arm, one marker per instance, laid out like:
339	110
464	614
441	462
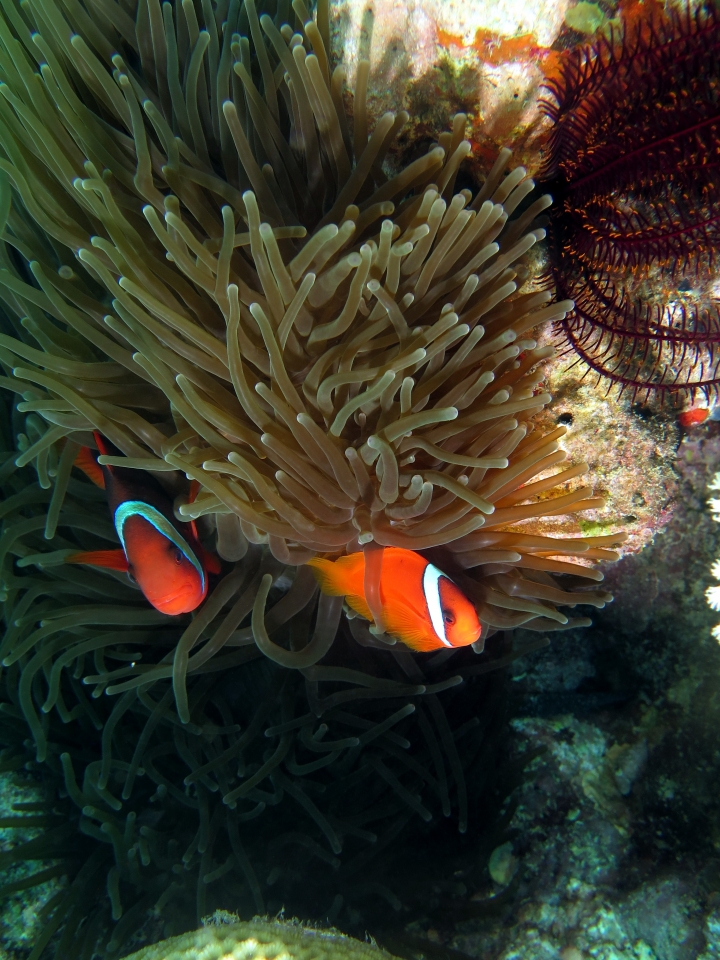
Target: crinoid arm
635	235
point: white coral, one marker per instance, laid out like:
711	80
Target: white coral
713	597
715	508
713	593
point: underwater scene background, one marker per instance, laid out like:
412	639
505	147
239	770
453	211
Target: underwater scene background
431	282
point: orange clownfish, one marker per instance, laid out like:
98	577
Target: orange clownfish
421	606
163	555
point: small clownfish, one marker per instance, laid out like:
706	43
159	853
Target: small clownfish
163	555
421	606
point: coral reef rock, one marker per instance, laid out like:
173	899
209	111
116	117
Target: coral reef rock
260	940
630	444
614	828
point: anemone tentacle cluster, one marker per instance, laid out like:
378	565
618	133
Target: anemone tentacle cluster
221	278
205	260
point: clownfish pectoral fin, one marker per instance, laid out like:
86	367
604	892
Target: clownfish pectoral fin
403	623
111	559
86	461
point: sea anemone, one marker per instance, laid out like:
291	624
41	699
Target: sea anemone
634	236
204	262
148	818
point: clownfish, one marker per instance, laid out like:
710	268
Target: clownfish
421	606
162	555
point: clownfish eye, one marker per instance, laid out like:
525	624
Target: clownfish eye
448	617
178	556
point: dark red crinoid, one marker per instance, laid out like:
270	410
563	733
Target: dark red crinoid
634	165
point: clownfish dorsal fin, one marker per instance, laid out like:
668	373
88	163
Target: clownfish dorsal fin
336	577
192	497
404	623
110	559
210	561
87	462
328	577
104	445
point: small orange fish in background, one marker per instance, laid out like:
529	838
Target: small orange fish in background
693	416
421	606
163	555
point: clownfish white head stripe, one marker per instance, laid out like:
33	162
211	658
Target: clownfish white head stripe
137	508
431	590
162	556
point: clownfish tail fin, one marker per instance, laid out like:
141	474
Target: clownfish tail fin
86	461
110	559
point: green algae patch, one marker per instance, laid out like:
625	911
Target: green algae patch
502	865
596	528
585	17
261	940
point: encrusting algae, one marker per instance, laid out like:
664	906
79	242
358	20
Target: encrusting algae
205	261
261	940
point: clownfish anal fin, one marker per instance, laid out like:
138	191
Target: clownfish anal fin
110	559
404	623
87	462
